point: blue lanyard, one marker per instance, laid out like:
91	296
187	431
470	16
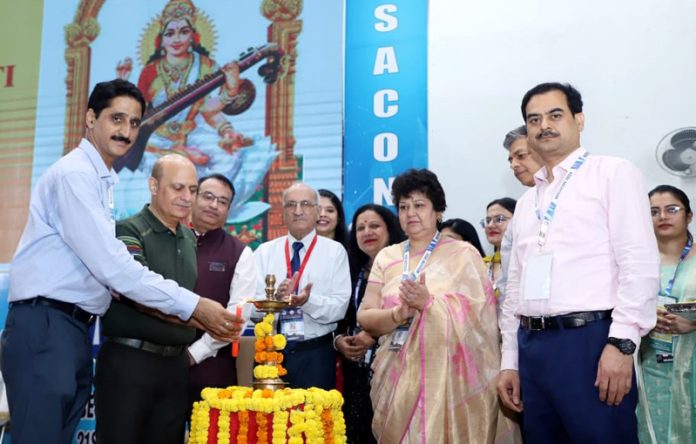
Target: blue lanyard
670	283
551	210
407	257
356	290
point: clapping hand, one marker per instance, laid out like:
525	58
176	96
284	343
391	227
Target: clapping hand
300	299
414	294
286	288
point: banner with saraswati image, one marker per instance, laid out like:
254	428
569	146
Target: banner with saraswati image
248	89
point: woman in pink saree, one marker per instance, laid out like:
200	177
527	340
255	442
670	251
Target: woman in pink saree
429	301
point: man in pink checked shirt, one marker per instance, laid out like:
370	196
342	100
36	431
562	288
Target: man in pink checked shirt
582	283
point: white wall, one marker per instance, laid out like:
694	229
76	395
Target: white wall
633	62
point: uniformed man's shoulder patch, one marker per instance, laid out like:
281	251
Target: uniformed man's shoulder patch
135	248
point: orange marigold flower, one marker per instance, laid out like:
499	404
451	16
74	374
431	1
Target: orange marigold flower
279	358
281	370
269	342
266	393
224	394
260	345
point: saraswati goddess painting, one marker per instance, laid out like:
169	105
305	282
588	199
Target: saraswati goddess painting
190	99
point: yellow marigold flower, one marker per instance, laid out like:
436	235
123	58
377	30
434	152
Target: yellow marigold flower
267	328
279	342
258	330
265	372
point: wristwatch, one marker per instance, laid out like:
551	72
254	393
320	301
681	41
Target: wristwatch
625	346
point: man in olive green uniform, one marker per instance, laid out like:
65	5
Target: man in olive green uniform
142	368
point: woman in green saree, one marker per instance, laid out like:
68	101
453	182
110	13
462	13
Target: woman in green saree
667	382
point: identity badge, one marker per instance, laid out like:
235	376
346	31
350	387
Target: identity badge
292	324
537	277
400	336
216	266
664	358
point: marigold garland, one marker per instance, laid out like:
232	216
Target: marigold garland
243	428
327	425
200	422
315	415
262	428
267	348
265	372
280	424
223	436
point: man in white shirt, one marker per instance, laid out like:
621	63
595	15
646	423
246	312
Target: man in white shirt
313	273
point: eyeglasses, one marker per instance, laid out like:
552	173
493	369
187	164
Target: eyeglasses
495	220
669	209
304	204
209	198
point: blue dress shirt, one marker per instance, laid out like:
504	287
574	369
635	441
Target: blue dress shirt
69	251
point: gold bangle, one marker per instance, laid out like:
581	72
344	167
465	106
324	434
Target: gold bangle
393	316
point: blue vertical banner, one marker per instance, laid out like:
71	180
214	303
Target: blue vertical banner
386	101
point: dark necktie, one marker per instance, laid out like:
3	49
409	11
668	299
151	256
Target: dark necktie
295	262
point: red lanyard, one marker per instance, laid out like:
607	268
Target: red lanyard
304	261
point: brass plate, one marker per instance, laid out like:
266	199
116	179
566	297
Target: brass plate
272	306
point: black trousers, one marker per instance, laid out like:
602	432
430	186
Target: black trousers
140	397
47	367
311	365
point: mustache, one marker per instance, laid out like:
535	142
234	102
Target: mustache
118	138
547	133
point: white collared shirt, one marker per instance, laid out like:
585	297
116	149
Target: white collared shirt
327	270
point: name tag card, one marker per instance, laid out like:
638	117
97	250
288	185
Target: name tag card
216	266
292	324
400	336
537	278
